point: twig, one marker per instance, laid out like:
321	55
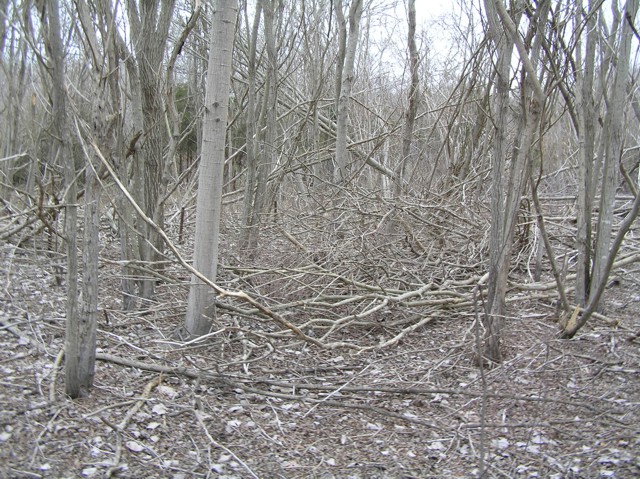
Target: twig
623	261
220	446
119	428
547	244
333	393
221	292
477	293
241	383
16	332
106	408
54	375
401	334
143	398
293	240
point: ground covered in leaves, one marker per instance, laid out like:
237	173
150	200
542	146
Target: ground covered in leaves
395	393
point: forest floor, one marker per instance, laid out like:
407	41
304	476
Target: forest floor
253	401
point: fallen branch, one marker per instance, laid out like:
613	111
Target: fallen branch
120	428
221	291
244	384
220	446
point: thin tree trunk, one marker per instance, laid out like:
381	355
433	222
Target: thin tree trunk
613	142
90	263
586	144
266	196
60	151
606	250
505	199
410	117
249	232
345	75
10	128
210	181
498	268
267	121
150	26
413	97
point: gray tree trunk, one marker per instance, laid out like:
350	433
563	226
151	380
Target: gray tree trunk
413	97
606	249
149	22
498	268
60	151
345	77
586	144
14	76
265	196
98	18
90	263
507	189
613	142
249	232
210	181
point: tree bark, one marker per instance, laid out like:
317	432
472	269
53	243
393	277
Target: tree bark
249	231
605	250
265	134
14	99
586	146
613	141
90	264
498	268
210	181
413	97
60	152
505	198
149	22
345	77
266	197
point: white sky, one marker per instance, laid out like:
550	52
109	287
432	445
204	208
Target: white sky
426	9
435	27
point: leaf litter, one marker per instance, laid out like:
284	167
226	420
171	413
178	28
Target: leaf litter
419	409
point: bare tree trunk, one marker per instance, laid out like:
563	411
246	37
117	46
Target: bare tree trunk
90	263
498	266
107	121
409	118
4	4
605	250
345	78
267	125
586	144
613	142
505	198
150	27
60	150
413	97
10	129
210	181
266	196
249	232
